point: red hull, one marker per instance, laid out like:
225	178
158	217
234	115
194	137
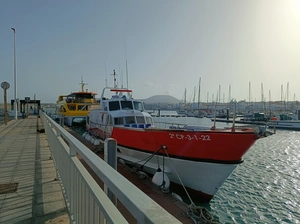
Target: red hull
213	145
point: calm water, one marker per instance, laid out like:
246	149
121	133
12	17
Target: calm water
263	189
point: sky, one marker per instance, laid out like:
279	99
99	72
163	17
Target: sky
168	45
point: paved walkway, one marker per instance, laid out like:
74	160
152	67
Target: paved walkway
29	192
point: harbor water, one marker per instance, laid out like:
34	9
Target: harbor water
265	188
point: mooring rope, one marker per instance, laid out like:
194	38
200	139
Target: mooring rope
197	213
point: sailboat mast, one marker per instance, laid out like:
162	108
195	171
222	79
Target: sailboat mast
199	94
287	95
185	99
229	94
219	94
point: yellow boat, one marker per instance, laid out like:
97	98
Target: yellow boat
75	106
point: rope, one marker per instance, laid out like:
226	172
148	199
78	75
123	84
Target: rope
150	157
179	177
197	213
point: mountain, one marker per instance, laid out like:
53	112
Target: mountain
161	99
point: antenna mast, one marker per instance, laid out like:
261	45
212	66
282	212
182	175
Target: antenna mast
105	75
82	84
115	80
126	63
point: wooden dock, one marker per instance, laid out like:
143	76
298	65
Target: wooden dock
29	190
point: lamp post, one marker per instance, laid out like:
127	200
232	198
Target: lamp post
15	76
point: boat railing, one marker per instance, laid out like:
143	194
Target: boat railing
85	199
170	125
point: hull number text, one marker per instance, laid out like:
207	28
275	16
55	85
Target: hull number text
190	137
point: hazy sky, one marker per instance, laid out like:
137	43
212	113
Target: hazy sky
170	44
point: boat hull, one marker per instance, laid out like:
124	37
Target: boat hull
203	159
201	179
225	146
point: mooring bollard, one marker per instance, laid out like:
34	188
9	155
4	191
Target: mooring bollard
110	157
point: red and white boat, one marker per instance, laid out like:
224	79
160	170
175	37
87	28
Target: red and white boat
199	157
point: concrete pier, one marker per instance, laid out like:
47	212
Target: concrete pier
29	190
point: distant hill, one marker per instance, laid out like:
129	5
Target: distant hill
161	99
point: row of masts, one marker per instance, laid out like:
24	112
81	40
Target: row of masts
220	100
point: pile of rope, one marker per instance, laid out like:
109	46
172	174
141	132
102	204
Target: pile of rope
199	214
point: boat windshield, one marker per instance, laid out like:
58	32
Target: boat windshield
138	105
126	105
114	105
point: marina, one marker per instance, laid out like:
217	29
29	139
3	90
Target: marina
269	176
191	115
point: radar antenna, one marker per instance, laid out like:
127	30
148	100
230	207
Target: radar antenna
115	80
82	84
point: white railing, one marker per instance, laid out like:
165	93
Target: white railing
86	200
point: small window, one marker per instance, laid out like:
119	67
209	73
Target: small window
129	120
118	120
114	105
140	120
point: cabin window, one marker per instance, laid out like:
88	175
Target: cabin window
126	105
129	120
118	120
148	120
114	105
138	105
140	120
71	107
81	107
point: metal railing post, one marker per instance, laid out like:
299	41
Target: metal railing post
110	157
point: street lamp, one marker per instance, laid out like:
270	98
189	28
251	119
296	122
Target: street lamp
15	76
